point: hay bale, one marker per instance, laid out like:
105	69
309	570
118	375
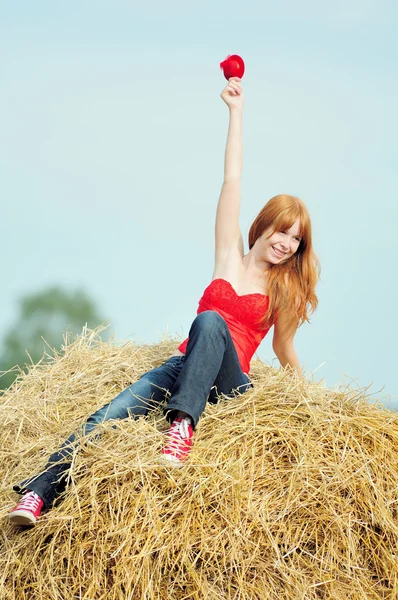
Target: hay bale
290	492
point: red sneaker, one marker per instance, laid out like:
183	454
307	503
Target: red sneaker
28	510
179	441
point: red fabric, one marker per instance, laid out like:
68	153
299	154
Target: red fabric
241	314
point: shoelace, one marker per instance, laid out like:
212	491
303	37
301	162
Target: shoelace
30	501
182	427
179	430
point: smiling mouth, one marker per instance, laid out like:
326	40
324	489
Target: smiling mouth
278	253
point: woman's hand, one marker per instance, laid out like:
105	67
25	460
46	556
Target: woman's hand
232	94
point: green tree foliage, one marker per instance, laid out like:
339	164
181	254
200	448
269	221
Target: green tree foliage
46	315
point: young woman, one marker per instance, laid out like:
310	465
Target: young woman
273	284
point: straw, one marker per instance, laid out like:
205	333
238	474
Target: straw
290	491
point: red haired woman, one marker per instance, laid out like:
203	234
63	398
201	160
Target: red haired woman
272	285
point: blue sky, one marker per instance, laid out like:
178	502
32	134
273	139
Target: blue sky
113	137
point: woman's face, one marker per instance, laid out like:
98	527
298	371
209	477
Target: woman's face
281	245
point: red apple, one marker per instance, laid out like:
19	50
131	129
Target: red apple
233	66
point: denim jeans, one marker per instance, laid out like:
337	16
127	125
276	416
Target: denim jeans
209	368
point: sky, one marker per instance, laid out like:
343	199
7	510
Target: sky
111	161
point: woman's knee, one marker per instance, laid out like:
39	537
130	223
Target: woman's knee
210	321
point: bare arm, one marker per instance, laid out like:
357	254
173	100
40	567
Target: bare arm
234	148
283	342
228	232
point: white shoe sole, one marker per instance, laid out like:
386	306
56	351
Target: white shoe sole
22	517
170	460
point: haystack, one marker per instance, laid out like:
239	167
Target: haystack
290	493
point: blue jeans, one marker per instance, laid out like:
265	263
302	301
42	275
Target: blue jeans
209	368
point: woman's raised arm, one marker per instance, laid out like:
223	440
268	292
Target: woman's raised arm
228	232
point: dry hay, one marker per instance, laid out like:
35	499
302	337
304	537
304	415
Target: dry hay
290	492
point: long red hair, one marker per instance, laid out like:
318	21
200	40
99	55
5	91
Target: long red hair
291	284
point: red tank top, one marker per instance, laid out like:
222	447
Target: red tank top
241	313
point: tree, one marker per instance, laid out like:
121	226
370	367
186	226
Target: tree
45	315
